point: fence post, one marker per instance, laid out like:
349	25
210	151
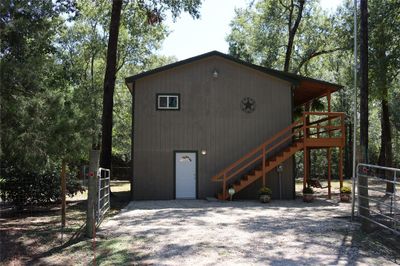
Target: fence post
92	193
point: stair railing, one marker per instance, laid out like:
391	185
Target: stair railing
250	158
299	130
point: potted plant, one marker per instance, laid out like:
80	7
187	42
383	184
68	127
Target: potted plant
265	194
345	194
308	194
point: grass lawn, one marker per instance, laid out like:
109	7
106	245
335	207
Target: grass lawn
36	232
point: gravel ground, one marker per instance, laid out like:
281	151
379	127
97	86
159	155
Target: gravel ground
199	232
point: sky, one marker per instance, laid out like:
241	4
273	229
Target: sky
190	37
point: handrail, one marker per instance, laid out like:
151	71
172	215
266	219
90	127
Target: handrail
254	151
282	141
324	113
299	129
260	156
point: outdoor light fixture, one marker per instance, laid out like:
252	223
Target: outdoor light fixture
231	191
215	73
203	152
279	169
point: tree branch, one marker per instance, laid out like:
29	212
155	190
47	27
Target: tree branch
282	4
315	54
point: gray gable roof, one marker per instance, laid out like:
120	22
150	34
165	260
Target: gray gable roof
293	78
306	89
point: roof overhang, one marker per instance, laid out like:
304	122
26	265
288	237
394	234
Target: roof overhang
308	90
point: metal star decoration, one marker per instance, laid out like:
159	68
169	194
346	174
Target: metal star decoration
248	105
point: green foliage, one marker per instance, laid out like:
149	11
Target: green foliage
308	190
265	191
35	99
345	190
23	188
259	34
52	69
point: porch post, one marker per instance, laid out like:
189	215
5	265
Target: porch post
329	172
341	166
306	164
328	96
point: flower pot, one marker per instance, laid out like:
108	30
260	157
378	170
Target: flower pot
345	197
308	197
265	198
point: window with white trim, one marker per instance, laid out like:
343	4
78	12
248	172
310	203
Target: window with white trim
168	102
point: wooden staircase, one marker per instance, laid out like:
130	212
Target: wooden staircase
321	133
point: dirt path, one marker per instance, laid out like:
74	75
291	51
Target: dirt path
242	233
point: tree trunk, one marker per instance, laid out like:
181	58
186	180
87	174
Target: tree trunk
109	85
363	182
385	155
292	32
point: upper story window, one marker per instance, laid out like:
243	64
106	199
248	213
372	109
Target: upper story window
168	102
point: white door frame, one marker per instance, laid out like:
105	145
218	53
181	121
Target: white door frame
196	171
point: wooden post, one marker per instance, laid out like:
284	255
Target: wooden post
341	166
328	96
263	165
329	172
63	190
306	152
92	193
306	165
307	162
329	155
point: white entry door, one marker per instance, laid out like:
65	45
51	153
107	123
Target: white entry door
185	175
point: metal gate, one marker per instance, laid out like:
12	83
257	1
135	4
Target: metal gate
103	204
382	192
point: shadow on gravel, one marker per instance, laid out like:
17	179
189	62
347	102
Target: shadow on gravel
321	229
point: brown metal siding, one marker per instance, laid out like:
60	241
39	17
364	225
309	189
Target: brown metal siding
210	119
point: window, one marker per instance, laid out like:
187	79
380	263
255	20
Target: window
168	102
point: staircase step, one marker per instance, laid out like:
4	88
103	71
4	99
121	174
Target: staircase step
270	164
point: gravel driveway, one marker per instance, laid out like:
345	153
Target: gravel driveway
199	232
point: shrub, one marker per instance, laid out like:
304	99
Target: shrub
345	190
308	190
265	191
25	188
